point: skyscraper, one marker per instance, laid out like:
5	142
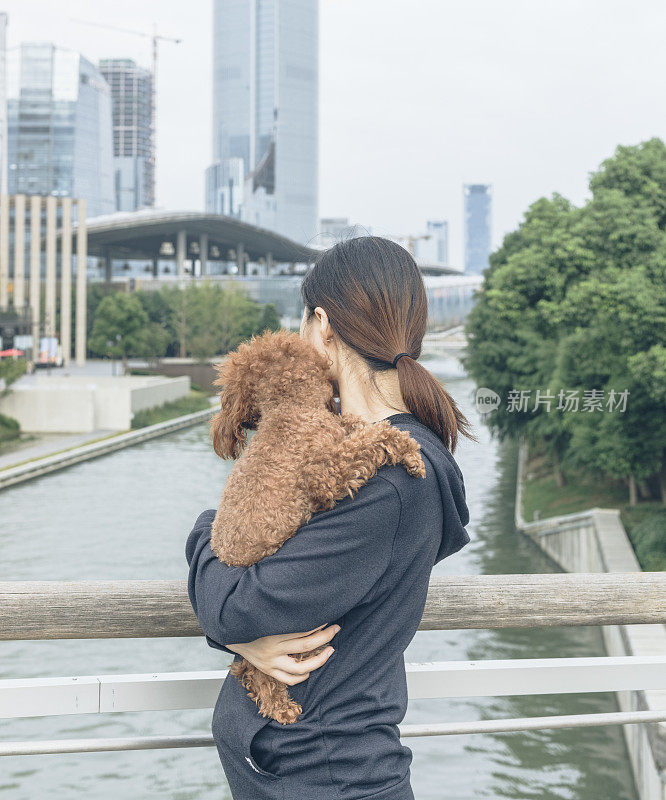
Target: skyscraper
478	202
434	250
59	126
335	229
265	108
133	172
3	103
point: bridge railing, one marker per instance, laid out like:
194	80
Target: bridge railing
125	609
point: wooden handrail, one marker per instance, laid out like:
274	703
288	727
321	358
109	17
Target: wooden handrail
131	609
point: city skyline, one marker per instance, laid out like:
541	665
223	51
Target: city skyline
483	108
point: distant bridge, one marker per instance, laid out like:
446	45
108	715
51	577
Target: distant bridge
451	342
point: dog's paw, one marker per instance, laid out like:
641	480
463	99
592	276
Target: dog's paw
414	465
289	713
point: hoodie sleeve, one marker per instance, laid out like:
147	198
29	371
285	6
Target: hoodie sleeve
327	568
456	512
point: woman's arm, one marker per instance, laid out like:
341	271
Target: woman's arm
329	566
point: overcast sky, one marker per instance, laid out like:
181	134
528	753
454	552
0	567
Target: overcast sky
416	96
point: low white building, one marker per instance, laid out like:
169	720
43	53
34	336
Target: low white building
50	404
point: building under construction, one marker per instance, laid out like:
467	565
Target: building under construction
133	171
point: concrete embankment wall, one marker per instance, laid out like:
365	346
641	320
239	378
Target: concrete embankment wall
37	467
83	404
596	541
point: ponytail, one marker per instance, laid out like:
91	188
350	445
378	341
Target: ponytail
375	299
431	404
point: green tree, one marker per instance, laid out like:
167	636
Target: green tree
575	298
616	319
161	337
638	171
269	319
511	331
11	370
210	320
119	328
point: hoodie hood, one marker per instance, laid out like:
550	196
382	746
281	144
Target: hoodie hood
449	478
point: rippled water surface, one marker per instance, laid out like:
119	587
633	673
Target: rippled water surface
127	515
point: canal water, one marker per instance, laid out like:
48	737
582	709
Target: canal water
127	515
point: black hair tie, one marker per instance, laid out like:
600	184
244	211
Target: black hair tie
395	360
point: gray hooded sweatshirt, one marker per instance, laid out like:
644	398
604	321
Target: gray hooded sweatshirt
364	564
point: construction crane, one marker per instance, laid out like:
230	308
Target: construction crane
156	38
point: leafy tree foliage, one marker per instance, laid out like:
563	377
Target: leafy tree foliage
198	321
575	299
119	327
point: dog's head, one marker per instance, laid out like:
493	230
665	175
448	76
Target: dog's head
265	371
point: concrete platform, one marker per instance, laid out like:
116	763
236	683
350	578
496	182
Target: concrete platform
84	402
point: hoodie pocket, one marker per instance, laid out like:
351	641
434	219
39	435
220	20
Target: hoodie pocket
236	721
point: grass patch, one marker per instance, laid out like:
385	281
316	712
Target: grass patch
9	429
138	371
194	401
645	523
646	528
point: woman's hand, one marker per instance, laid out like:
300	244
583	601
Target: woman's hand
270	654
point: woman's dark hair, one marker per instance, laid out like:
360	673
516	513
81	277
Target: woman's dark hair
373	293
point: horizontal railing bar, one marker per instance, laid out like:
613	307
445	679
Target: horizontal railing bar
406	731
129	609
533	723
40	697
563	528
571	520
103	745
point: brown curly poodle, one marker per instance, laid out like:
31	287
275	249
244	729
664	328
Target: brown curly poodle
302	459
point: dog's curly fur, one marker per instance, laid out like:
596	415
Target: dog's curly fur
302	459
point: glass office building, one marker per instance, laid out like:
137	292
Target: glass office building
133	168
477	199
59	126
265	107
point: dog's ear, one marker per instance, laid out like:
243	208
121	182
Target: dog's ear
226	428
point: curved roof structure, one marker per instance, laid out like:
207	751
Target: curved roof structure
141	234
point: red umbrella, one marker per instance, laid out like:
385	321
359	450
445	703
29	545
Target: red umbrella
11	352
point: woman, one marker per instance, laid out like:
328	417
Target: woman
355	575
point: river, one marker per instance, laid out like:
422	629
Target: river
127	515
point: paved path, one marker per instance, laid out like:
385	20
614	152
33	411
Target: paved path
45	444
